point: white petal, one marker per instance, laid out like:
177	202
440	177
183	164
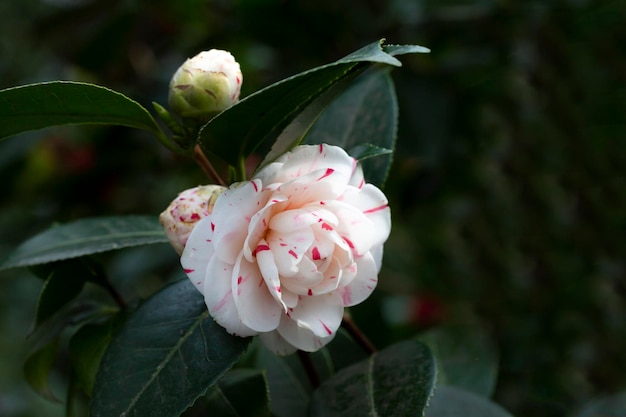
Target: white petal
257	308
288	249
269	271
274	342
363	284
354	227
320	314
218	296
373	204
290	220
198	252
319	185
231	215
259	224
357	180
300	337
305	159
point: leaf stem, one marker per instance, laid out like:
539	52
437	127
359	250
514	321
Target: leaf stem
114	294
205	165
309	368
350	326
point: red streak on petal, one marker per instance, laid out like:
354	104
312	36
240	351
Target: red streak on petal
222	302
310	292
362	183
212	227
239	280
348	242
195	216
326	328
375	209
208	240
322	203
326	226
260	248
261	282
188	271
316	254
278	289
199	282
256	188
328	172
283	244
264	222
292	253
321	147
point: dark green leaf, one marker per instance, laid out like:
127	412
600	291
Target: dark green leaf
263	116
36	106
366	151
86	348
466	358
454	402
366	113
239	393
43	342
166	355
289	386
610	405
37	369
65	280
397	381
85	237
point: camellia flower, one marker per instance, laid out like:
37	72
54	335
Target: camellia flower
282	255
180	217
205	84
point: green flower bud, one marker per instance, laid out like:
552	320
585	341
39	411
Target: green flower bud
205	85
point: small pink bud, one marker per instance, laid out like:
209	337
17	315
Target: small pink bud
186	210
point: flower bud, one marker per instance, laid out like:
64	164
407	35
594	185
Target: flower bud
186	210
205	84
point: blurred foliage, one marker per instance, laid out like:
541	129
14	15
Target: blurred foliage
507	190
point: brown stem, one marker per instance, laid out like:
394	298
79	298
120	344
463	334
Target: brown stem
309	368
206	166
357	334
114	294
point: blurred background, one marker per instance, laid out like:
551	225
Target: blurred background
508	186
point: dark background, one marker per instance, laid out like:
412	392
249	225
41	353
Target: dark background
507	191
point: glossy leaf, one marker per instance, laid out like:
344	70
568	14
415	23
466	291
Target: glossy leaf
397	381
86	348
43	342
64	281
261	117
453	402
366	113
165	356
289	387
85	237
239	393
37	369
36	106
466	358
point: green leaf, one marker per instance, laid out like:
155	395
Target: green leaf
37	368
239	393
165	356
366	113
44	340
610	405
86	348
397	381
289	387
466	358
36	106
453	402
86	237
65	280
261	117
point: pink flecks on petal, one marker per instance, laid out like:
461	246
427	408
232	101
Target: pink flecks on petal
292	253
328	172
222	302
326	328
212	226
310	292
260	248
326	226
322	203
188	271
321	148
375	209
256	187
348	242
239	280
316	254
195	216
346	296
